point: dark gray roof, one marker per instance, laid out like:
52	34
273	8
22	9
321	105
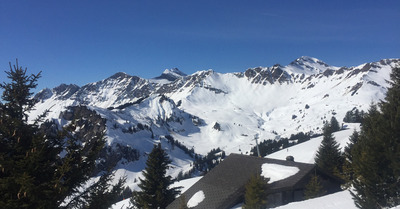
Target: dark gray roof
224	185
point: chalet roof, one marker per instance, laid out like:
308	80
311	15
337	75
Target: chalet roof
224	185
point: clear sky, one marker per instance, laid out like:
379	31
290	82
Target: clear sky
82	41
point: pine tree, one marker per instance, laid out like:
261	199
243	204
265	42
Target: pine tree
33	173
255	195
348	117
314	188
328	156
347	168
376	156
348	149
334	124
155	192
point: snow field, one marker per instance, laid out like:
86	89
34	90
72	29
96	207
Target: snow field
243	109
305	152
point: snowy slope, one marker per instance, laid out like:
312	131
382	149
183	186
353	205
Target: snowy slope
185	184
337	200
207	109
306	151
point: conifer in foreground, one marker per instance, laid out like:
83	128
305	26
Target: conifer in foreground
255	195
329	157
347	169
314	188
40	168
155	192
376	155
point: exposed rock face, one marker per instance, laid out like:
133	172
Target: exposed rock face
121	89
217	126
134	112
266	76
43	95
65	91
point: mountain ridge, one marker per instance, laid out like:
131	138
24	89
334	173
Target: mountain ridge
196	113
261	75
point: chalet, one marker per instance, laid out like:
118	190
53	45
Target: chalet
224	186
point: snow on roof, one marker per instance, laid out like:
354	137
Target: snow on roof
197	198
186	183
277	172
224	185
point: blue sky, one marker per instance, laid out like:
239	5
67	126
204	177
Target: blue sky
86	41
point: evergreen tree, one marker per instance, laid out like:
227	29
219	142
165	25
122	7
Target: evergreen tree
349	146
314	188
100	195
328	156
348	117
33	172
155	192
354	116
347	168
376	156
255	195
334	124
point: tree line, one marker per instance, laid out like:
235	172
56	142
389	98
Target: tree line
42	167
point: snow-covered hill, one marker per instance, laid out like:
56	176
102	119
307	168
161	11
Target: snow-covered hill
207	110
304	152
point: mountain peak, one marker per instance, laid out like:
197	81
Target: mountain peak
307	59
119	75
307	65
171	74
174	71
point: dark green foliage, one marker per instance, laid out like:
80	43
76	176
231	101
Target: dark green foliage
39	166
17	93
155	192
314	188
97	196
200	164
329	157
110	156
376	155
347	169
174	143
270	146
354	116
208	162
255	195
348	149
204	164
334	124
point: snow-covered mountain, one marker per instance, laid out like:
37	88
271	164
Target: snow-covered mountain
208	110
